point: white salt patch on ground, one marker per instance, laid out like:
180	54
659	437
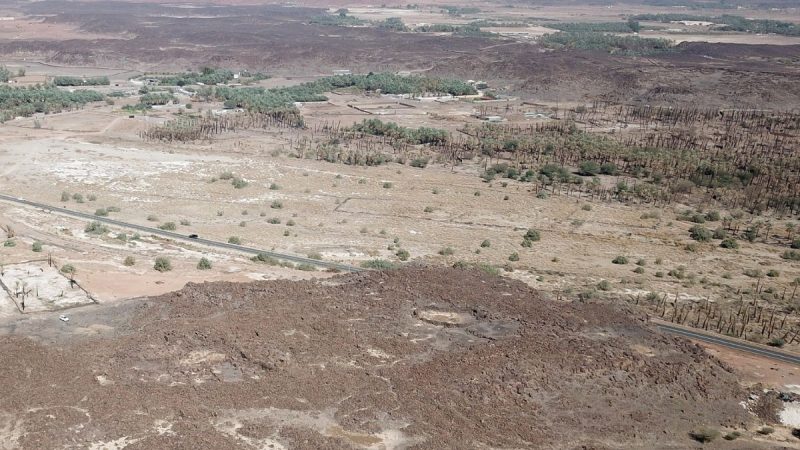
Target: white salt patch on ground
790	416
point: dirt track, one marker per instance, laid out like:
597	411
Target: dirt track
432	358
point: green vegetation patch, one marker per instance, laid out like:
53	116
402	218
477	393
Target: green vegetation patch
421	135
78	81
42	99
729	22
610	43
597	27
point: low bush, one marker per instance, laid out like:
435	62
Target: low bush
700	234
732	436
791	255
264	258
95	228
419	162
588	168
704	435
532	235
776	342
162	264
487	268
651	215
403	255
753	273
377	264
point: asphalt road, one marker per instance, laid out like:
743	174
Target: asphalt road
182	237
735	344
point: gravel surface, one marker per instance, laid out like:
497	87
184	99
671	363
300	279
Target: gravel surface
419	357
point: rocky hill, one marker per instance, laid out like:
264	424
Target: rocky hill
423	358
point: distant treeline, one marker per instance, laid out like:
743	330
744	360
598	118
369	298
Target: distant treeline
629	45
393	24
156	98
459	10
718	4
206	76
729	23
496	24
466	30
279	102
341	19
149	99
421	135
41	99
604	27
78	81
338	20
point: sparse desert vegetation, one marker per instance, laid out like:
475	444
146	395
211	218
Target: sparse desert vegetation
608	166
